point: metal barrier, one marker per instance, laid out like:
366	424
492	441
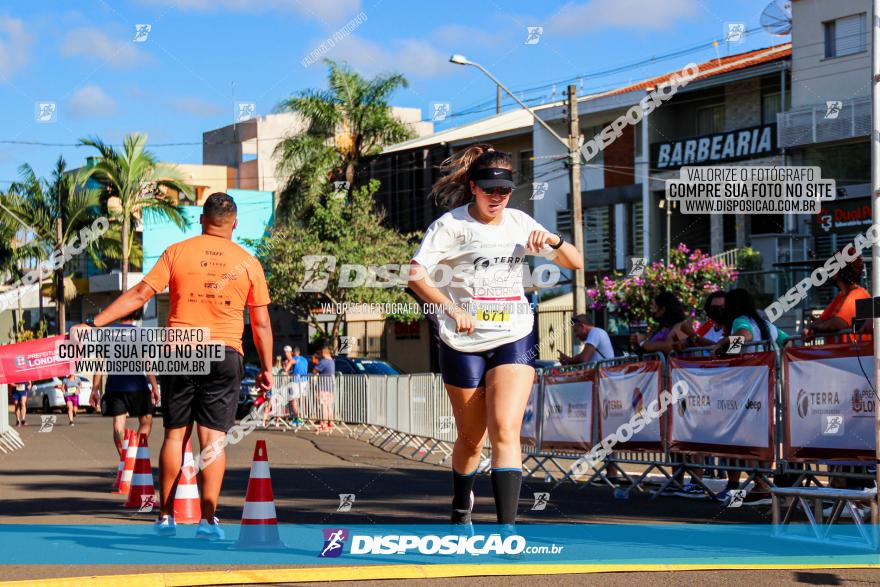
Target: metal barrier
411	415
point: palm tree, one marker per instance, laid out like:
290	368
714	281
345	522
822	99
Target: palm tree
37	206
135	179
347	122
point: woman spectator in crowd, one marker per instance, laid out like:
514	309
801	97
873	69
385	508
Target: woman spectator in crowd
712	330
840	312
672	331
742	319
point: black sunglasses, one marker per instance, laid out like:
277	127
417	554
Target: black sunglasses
498	191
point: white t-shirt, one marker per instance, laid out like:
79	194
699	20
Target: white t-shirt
481	266
600	340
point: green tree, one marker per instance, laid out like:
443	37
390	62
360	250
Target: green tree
347	122
136	178
351	232
38	204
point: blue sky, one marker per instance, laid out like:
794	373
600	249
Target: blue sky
178	82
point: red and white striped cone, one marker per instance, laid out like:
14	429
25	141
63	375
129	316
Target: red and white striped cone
259	526
128	468
142	478
187	506
121	466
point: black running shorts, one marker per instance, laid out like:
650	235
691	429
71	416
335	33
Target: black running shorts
209	400
133	403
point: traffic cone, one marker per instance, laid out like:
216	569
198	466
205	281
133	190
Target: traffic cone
259	526
187	507
128	468
142	478
121	466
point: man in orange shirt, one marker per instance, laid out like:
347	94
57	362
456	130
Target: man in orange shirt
840	312
211	281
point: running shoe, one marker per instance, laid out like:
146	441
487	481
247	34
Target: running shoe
165	526
757	498
865	512
463	517
692	491
210	531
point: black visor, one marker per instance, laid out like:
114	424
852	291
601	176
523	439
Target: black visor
493	177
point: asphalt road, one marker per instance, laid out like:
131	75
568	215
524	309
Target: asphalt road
64	477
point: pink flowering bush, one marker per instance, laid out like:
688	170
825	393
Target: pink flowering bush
689	275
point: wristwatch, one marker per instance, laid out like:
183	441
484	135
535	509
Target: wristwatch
559	244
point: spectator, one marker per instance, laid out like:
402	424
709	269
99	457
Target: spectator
840	312
712	330
296	365
742	319
597	343
19	400
672	329
325	369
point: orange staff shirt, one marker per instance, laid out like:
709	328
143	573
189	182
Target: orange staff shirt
210	280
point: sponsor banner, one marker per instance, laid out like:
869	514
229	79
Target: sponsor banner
345	545
32	360
568	410
830	400
729	408
623	391
528	430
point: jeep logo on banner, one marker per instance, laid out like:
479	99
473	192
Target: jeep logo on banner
734	145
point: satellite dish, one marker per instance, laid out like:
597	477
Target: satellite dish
776	18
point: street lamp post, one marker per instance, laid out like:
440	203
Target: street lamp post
572	146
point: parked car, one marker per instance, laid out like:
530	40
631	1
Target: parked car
248	391
47	395
363	366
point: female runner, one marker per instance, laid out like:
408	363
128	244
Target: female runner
487	345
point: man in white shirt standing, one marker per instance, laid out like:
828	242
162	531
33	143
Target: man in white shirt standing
597	343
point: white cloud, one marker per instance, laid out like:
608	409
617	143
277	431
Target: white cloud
323	10
576	18
196	106
412	57
93	42
15	44
91	102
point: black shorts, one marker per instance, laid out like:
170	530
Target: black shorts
133	403
468	370
210	400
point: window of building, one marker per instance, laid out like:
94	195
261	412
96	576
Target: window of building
770	106
526	167
846	36
710	119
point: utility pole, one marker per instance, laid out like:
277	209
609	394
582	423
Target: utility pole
875	209
577	211
498	100
60	313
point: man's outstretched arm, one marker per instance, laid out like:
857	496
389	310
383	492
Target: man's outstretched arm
131	300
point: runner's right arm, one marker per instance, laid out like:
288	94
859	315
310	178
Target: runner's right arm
418	282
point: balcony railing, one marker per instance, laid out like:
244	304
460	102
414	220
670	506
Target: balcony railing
834	120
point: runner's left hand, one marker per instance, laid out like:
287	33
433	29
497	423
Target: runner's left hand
538	239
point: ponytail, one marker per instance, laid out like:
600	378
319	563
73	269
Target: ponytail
453	188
